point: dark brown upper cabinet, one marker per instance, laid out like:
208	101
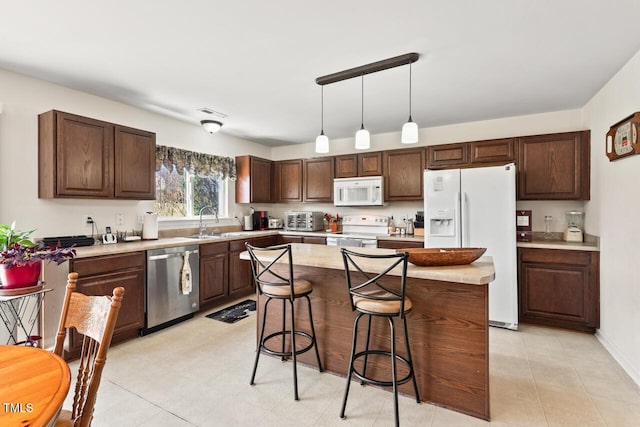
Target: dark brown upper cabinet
447	156
494	151
318	179
403	174
361	164
80	157
288	180
253	183
554	167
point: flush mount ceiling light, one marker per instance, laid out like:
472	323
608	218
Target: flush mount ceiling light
362	136
211	126
410	129
322	141
363	142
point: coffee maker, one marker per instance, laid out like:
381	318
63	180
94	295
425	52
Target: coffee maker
260	220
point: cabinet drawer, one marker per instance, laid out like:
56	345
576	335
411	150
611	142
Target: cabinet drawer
108	263
239	245
555	256
214	248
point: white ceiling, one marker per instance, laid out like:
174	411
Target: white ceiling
256	61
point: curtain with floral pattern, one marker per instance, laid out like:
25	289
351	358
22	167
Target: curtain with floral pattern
201	164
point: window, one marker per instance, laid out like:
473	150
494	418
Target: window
184	194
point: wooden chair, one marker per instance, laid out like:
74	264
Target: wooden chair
95	318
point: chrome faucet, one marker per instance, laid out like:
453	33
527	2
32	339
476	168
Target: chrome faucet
202	229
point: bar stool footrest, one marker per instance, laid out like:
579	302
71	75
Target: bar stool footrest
263	344
373	381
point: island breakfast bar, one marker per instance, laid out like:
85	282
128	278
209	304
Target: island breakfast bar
448	325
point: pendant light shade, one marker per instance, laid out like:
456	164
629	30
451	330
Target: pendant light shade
211	126
363	141
410	129
322	141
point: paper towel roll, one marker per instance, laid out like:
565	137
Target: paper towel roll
150	226
248	222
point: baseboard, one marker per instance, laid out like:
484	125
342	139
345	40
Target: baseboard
617	355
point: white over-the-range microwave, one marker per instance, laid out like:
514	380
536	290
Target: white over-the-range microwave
361	191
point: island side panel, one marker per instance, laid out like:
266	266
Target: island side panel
448	331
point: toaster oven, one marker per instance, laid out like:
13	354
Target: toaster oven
304	221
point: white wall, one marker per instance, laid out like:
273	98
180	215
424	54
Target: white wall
23	98
613	214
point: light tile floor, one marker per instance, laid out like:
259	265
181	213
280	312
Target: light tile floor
197	374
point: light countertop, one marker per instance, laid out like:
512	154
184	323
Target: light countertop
481	272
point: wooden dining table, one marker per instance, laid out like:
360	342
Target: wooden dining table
33	386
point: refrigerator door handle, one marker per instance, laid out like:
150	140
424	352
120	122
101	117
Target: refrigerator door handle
465	220
458	218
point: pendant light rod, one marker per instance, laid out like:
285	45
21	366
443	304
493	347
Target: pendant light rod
374	67
409	92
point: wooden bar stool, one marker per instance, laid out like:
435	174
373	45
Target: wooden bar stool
274	285
378	295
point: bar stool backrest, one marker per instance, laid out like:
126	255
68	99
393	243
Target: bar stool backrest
263	273
376	286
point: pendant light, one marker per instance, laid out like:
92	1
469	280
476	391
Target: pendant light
363	141
410	129
322	141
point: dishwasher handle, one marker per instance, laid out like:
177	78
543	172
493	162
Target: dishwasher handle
167	256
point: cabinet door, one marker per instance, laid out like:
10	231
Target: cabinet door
240	276
347	166
370	164
559	288
447	156
404	170
214	278
77	154
290	239
318	180
99	276
135	164
214	271
289	180
554	167
493	151
314	240
253	183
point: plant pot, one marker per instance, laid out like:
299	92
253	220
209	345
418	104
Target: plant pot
20	277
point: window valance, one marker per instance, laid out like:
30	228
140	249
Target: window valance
201	164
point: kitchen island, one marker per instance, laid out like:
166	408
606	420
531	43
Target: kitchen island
448	326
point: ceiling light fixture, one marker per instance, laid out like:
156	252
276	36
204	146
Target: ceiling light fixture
211	126
322	141
410	129
363	141
362	136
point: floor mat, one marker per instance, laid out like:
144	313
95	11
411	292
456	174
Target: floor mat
235	312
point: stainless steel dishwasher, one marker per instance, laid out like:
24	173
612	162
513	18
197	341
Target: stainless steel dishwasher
168	300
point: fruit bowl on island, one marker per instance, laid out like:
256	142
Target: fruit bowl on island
431	257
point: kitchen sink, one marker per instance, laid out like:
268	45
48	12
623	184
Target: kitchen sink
205	236
236	233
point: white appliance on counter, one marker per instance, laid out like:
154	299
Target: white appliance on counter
475	208
362	191
360	231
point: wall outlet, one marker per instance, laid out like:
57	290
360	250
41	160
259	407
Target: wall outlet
119	219
140	218
87	220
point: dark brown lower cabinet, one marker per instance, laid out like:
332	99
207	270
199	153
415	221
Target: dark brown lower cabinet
99	276
559	288
313	240
399	244
223	275
214	272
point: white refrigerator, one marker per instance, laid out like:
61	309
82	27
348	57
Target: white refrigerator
476	208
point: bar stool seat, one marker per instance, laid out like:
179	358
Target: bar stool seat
275	285
378	294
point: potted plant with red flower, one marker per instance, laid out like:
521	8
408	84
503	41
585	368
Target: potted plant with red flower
21	259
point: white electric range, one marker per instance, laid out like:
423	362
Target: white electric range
360	231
